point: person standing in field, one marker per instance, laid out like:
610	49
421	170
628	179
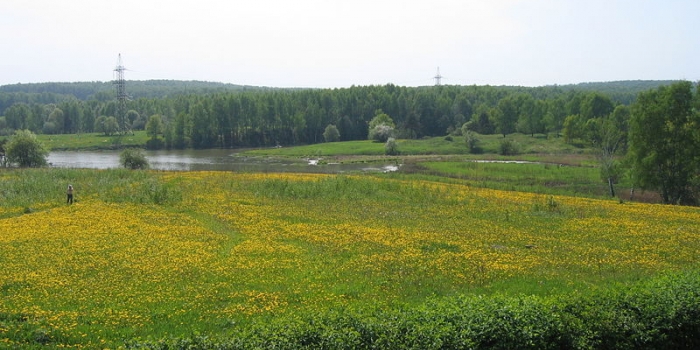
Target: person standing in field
69	193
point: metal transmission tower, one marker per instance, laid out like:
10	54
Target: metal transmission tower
438	77
120	83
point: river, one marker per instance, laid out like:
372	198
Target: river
211	159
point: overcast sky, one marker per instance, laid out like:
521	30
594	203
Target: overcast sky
340	43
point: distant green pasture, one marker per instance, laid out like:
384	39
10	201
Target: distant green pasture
452	145
93	141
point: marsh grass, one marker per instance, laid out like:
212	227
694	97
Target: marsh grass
46	188
544	178
341	188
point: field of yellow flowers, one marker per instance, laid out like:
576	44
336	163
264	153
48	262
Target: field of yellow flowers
171	253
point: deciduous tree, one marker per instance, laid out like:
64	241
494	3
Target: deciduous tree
155	126
331	134
25	150
665	144
507	115
381	127
132	158
17	116
607	137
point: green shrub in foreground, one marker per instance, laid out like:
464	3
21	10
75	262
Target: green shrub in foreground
661	314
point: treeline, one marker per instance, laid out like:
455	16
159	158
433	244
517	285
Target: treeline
105	91
623	92
242	117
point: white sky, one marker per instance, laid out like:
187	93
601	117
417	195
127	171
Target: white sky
339	43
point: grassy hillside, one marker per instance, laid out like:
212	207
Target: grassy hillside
288	260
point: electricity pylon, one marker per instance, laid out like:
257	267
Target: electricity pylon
120	83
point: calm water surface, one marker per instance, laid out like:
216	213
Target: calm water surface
212	159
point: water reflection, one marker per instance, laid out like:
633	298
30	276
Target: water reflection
205	160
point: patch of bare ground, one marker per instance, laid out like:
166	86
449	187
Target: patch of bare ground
651	197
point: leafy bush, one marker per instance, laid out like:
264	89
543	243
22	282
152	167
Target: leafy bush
381	118
452	131
508	147
107	125
472	142
132	158
660	314
331	134
390	147
25	150
381	133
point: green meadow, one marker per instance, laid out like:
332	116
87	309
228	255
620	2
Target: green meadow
528	146
92	141
446	253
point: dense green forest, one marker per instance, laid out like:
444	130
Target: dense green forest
105	90
206	115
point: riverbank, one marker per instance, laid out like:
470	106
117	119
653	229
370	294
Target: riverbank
488	146
540	148
93	141
217	160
